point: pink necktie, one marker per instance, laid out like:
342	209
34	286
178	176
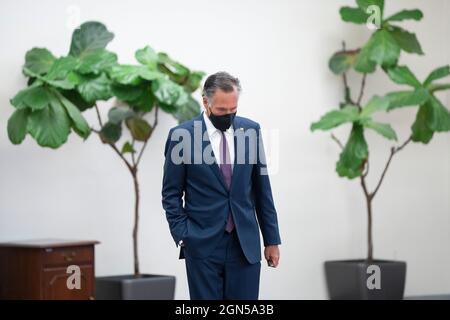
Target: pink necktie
225	168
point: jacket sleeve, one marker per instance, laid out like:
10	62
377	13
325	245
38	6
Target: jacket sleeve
173	187
264	205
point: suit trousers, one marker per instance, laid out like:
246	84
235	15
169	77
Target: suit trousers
225	274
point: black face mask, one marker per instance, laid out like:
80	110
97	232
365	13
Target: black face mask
223	122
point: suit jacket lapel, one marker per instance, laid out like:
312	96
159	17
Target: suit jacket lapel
205	144
236	166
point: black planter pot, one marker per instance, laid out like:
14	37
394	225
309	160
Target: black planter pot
347	280
127	287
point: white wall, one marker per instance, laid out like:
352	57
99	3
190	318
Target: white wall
279	50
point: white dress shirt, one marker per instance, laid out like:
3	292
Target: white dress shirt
215	137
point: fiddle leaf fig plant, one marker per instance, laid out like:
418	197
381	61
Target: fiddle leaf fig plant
60	89
385	44
383	49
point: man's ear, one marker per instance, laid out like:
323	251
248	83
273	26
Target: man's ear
205	104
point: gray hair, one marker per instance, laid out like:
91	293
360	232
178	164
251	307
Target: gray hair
220	80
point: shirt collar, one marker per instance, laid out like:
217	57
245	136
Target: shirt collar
210	127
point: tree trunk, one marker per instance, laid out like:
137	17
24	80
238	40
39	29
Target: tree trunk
369	230
136	225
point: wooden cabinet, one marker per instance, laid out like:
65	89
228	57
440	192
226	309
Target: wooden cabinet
39	269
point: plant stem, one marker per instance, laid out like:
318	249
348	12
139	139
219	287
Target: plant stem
133	161
137	199
394	150
116	150
361	91
369	196
136	224
155	123
98	115
347	92
337	141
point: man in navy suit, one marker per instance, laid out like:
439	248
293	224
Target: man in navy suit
217	197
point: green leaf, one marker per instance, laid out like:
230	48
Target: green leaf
375	104
365	4
431	117
50	126
127	148
400	99
61	68
383	49
382	128
139	128
133	75
188	111
126	74
355	15
150	75
145	101
68	83
93	87
61	73
17	125
175	70
169	93
126	92
402	75
39	60
414	14
342	61
75	97
139	96
32	75
438	87
406	40
79	123
438	117
169	108
148	57
97	61
335	118
110	133
117	114
194	80
420	130
34	97
363	62
90	36
352	158
436	74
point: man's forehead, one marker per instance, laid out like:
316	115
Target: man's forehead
219	94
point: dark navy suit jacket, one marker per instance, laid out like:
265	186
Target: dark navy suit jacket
200	219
